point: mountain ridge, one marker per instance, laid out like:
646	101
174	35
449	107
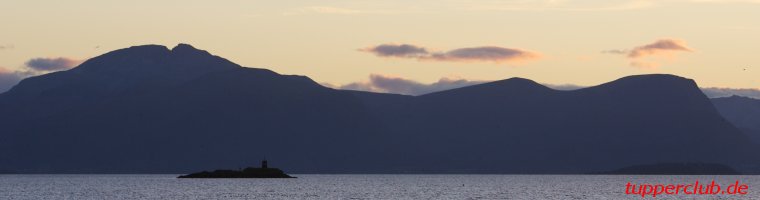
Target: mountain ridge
200	111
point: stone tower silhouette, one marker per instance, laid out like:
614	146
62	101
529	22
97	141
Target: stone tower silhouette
264	164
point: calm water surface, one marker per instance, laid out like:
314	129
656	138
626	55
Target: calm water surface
349	187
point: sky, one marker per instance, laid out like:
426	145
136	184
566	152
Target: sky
354	43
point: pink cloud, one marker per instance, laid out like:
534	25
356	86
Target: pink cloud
487	53
473	54
52	64
390	84
651	55
659	47
401	51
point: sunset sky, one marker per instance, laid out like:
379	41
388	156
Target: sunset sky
340	42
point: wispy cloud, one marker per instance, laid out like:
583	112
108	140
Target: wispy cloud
7	46
396	85
726	1
659	47
472	54
331	10
400	51
51	64
651	55
392	7
561	5
615	51
645	64
326	10
575	5
487	53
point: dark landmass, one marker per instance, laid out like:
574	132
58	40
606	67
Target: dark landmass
245	173
151	109
676	169
742	112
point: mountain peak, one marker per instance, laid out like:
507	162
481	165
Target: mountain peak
183	46
150	50
654	82
518	84
518	81
126	68
514	85
147	47
136	59
655	77
183	50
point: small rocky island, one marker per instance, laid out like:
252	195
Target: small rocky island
250	172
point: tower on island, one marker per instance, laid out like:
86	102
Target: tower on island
263	164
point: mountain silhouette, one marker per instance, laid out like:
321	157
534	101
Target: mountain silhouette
150	109
743	112
522	126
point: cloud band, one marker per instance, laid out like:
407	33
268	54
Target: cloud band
473	54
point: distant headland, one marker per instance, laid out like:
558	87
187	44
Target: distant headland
676	169
251	172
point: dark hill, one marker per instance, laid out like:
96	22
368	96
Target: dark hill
108	116
743	112
149	109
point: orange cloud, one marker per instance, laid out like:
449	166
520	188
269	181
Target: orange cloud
650	55
659	47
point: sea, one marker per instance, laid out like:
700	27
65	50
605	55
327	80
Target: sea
374	186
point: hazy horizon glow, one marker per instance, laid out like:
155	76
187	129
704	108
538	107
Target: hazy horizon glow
580	42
